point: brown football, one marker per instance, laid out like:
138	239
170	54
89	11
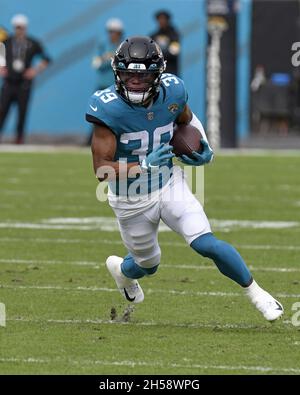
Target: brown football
185	140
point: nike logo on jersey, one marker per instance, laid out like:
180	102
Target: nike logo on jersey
128	297
279	306
94	108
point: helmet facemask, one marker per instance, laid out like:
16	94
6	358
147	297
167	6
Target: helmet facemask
136	86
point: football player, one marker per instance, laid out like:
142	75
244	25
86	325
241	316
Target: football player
133	125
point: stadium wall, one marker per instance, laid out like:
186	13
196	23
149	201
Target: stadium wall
71	30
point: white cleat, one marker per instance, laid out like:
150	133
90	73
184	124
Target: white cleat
270	308
129	288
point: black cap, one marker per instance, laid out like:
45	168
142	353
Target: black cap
164	13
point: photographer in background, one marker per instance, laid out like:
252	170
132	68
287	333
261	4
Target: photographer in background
167	37
18	72
102	61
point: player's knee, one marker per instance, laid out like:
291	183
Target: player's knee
206	245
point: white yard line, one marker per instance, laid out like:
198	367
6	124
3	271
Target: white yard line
119	242
24	225
135	363
148	291
13	192
52	207
36	148
67	241
163	265
109	224
257	152
48	148
111	221
49	262
268	247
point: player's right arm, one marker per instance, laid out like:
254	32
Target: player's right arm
104	145
105	137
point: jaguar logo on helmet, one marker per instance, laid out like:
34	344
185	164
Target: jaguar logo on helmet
138	65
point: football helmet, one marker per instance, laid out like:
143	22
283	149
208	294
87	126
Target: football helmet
138	65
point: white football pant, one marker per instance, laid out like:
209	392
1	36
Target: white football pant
175	205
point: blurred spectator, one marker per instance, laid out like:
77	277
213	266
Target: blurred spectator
271	102
19	73
295	98
259	78
3	34
102	62
168	38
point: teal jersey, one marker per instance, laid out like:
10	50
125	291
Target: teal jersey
138	129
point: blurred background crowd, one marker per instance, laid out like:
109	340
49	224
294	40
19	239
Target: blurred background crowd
235	57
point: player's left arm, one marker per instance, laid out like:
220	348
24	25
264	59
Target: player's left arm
206	156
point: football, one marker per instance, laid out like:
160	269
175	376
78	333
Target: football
185	140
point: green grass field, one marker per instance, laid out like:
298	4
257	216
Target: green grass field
59	297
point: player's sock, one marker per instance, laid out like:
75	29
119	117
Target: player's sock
131	270
253	290
225	256
264	302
